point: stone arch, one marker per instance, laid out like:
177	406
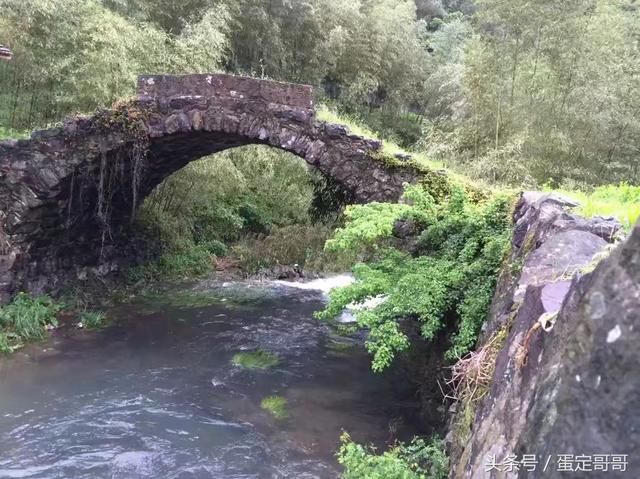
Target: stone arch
68	193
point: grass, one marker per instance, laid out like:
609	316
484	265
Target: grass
620	201
193	263
26	318
390	148
257	359
10	133
356	127
276	406
92	319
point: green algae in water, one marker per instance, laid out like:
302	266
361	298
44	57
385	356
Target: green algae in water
276	406
182	299
257	359
337	346
230	297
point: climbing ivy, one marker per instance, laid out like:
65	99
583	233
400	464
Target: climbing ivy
449	281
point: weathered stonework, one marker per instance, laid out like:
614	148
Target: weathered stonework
566	379
68	193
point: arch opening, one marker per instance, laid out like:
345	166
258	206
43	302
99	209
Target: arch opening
253	207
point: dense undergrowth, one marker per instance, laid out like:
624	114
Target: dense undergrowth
26	319
447	282
418	459
252	206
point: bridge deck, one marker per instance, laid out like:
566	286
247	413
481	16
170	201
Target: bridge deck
220	85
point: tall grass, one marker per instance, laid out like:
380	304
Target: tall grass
620	201
10	133
289	245
357	127
26	319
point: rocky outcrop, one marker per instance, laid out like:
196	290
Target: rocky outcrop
565	392
68	194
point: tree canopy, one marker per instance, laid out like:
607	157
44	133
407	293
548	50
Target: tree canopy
512	91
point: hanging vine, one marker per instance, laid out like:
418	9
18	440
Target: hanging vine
128	120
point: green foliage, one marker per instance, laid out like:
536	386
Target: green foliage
289	245
226	196
366	226
276	406
460	250
195	261
26	319
550	92
511	92
254	198
92	319
621	201
72	55
5	343
215	247
6	133
418	459
257	359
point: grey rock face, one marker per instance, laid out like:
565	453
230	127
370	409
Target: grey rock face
566	380
587	400
549	244
68	194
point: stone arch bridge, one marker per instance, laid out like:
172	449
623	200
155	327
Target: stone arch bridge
68	193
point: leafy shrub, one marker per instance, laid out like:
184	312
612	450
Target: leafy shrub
26	319
195	261
366	226
254	220
460	250
417	460
215	247
5	344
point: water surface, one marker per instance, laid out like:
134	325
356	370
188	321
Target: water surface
156	396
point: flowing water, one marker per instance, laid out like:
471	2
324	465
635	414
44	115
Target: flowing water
155	395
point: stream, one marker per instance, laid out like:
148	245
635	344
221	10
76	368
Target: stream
156	395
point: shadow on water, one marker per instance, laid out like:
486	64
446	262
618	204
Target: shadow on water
156	394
